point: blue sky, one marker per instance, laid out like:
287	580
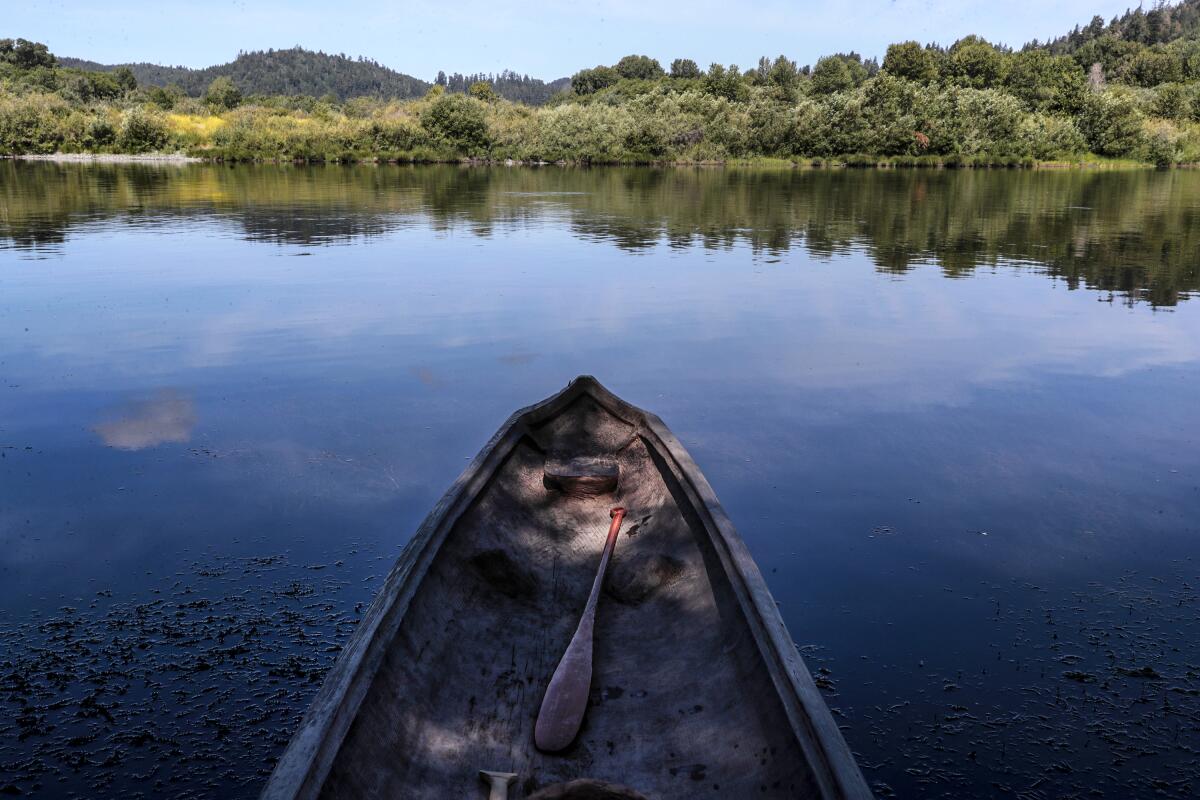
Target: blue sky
543	38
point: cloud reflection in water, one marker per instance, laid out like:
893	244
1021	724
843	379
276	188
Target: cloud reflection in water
168	416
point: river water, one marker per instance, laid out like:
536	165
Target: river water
952	413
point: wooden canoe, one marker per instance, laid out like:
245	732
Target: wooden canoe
697	688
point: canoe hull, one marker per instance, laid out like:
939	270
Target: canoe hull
697	689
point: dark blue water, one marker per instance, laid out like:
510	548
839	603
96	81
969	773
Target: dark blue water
953	414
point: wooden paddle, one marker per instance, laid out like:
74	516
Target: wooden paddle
561	714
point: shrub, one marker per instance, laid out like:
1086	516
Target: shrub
31	123
890	104
164	98
770	131
393	135
193	131
459	122
646	139
972	121
809	133
594	133
223	94
1111	123
1163	143
1171	101
843	125
1045	136
142	131
101	133
482	90
89	131
254	133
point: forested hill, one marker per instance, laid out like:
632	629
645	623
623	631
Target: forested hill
302	72
272	72
1160	25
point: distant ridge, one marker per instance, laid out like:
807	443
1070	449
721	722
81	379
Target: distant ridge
292	71
297	71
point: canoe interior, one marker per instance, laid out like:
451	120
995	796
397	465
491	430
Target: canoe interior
684	702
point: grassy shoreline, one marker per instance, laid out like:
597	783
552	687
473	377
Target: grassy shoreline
856	161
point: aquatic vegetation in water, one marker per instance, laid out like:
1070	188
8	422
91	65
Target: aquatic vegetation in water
191	691
195	690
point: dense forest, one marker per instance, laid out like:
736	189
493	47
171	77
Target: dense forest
1125	90
508	84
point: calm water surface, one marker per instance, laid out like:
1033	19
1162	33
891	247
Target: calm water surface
952	413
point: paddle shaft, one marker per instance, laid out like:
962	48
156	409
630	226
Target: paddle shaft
562	709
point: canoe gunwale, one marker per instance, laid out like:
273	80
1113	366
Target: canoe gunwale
305	764
834	766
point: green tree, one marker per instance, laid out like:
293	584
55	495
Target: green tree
911	61
634	67
590	81
1044	82
784	76
25	54
222	93
726	82
89	86
458	121
165	97
1153	67
836	74
1115	56
1188	53
125	79
685	68
974	63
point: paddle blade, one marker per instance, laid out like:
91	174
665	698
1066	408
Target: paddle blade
562	710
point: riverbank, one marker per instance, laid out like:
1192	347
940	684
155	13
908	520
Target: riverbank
113	158
857	161
950	127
